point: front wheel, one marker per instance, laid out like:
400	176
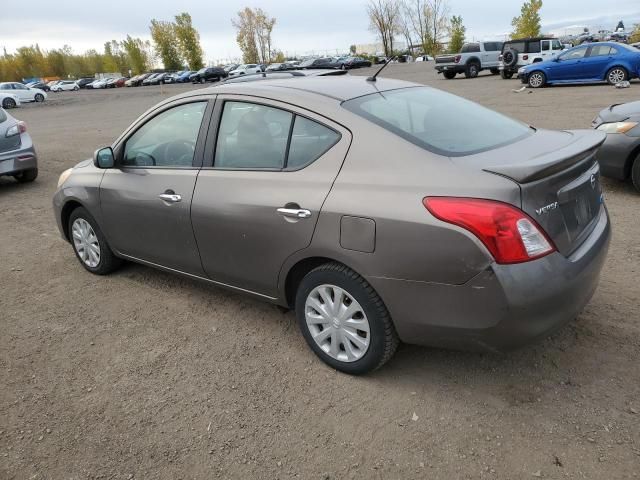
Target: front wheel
617	75
537	79
90	245
506	75
449	75
39	97
344	321
635	173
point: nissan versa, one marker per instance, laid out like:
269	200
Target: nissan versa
381	211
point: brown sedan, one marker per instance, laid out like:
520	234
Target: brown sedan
381	211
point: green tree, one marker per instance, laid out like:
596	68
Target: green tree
635	35
457	33
189	41
352	49
528	23
135	49
164	36
110	61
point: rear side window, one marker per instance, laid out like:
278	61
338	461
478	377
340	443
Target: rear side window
437	121
253	136
517	46
470	47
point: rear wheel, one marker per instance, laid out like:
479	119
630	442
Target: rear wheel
635	173
39	97
472	70
90	245
449	75
617	75
537	79
344	321
494	71
506	75
9	103
26	176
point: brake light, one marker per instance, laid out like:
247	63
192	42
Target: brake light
501	57
457	58
525	57
22	126
16	129
509	234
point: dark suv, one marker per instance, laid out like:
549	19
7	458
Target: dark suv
208	74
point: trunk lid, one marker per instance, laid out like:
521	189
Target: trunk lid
8	143
559	180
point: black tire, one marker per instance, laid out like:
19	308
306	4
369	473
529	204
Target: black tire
494	71
506	75
202	80
383	340
39	97
537	79
26	176
510	58
108	261
472	70
635	173
449	75
617	75
8	103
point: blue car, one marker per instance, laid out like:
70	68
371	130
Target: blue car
595	62
183	77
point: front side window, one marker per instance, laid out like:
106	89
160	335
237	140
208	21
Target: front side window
437	121
556	45
167	140
19	86
574	54
534	47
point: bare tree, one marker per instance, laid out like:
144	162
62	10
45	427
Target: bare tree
405	23
439	24
383	17
429	22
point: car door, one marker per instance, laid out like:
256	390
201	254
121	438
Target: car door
598	60
259	194
146	199
24	94
570	65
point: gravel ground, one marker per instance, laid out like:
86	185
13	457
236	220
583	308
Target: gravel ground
147	375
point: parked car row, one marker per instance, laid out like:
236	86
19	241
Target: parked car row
12	94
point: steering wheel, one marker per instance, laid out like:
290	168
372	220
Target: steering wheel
179	152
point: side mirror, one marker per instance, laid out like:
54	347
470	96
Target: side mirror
104	158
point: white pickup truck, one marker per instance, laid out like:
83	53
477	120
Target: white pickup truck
472	59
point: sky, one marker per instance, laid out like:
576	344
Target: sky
303	26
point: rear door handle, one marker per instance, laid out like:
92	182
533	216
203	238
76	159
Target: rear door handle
170	197
294	212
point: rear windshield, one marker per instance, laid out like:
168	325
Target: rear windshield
437	121
470	47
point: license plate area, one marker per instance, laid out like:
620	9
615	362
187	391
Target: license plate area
580	202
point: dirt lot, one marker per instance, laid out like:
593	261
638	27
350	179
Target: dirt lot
146	375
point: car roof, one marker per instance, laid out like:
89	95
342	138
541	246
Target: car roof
336	88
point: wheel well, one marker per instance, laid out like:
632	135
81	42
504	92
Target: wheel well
68	208
536	60
633	157
616	66
298	272
474	60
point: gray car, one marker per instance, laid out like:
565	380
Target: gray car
380	211
620	154
17	153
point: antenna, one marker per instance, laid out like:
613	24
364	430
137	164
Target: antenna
373	77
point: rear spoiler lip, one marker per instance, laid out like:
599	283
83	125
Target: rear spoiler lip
585	145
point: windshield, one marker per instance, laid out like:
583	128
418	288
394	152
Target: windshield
437	121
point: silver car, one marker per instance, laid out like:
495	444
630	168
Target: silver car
17	154
380	211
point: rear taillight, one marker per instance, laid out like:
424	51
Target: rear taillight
509	234
457	58
22	126
16	129
501	57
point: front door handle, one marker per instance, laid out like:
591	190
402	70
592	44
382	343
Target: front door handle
170	197
294	212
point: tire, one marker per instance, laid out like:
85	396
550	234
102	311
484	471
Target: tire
8	103
26	176
472	70
510	58
370	312
76	88
449	75
107	261
494	71
202	80
617	75
39	97
635	173
537	79
506	75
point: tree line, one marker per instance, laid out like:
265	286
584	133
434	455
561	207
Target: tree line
175	43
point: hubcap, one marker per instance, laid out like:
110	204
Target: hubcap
86	242
616	76
337	323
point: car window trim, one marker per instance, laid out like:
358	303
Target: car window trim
198	156
214	129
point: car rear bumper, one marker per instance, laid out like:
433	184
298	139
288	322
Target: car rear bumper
16	161
615	155
502	308
450	67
